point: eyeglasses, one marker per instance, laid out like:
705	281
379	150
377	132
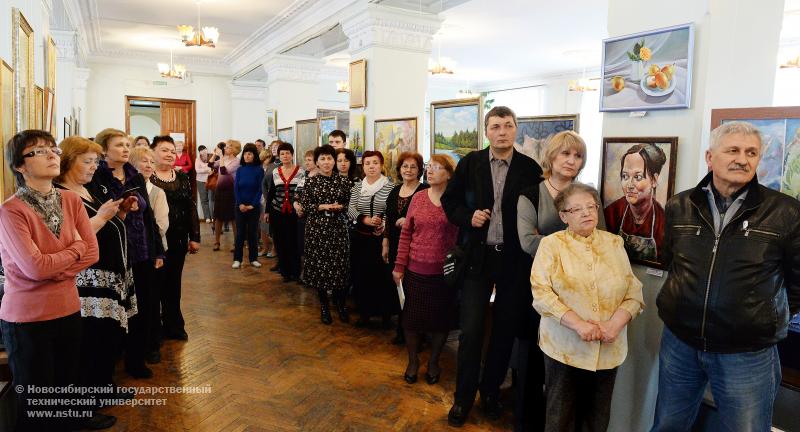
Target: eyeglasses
42	151
434	167
578	210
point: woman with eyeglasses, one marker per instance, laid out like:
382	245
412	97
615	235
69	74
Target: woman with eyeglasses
425	238
586	293
46	239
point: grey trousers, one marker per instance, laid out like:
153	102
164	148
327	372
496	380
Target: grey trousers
578	400
206	200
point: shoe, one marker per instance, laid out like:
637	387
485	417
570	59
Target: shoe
344	316
236	265
492	408
153	357
208	221
386	322
270	254
216	247
275	268
99	422
255	264
262	253
141	372
177	335
432	379
457	415
325	315
411	379
287	279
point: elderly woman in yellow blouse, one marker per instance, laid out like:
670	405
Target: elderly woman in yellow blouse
585	291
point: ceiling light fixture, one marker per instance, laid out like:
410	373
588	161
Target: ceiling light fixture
791	63
343	87
172	70
437	67
204	36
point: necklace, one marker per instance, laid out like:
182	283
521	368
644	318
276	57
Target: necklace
167	180
551	185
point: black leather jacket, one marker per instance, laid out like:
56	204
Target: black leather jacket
733	292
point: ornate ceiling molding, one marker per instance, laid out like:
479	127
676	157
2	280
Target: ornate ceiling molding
66	45
288	68
380	26
249	90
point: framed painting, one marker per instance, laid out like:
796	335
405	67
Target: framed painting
38	108
7	126
286	135
67	127
646	71
533	132
326	126
779	168
22	53
392	138
456	127
358	84
355	140
272	123
637	177
49	109
342	118
52	56
306	137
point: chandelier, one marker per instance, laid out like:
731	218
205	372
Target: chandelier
582	85
172	70
438	68
204	36
343	86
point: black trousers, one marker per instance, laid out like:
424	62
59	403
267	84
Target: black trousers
43	354
577	399
246	229
101	346
529	402
285	238
141	334
499	272
171	287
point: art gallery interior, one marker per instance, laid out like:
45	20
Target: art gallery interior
285	68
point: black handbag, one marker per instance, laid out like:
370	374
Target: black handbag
455	262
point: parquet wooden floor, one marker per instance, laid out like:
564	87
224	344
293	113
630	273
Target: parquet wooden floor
272	366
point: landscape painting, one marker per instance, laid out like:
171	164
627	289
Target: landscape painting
456	127
533	132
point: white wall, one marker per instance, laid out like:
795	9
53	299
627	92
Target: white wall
109	84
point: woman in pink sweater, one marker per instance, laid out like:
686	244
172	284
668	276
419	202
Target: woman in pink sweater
45	240
426	237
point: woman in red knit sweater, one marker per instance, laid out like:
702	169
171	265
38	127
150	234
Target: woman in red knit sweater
46	239
426	237
182	159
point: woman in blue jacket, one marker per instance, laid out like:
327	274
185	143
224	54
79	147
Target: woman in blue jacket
247	192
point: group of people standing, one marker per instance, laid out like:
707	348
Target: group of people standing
93	245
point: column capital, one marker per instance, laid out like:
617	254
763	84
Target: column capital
66	45
292	68
381	26
253	90
81	77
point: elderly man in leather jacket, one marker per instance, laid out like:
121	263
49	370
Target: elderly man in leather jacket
732	247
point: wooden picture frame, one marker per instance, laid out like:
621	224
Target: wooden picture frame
272	123
392	137
286	135
358	83
22	45
38	110
52	57
356	139
7	126
533	132
462	117
49	110
306	137
326	126
660	156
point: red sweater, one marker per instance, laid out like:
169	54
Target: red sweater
426	237
183	161
40	268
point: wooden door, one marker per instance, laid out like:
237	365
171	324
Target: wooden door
179	117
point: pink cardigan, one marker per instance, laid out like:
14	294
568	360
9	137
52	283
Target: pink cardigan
426	237
40	268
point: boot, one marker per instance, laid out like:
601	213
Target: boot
341	306
325	313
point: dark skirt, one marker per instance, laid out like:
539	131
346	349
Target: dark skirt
224	204
373	288
430	304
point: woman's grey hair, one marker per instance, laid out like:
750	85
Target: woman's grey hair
733	128
572	189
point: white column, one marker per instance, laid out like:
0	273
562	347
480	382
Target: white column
736	45
396	44
248	111
293	87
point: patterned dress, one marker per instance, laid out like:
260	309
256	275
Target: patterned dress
327	245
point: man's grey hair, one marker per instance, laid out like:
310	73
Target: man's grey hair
733	128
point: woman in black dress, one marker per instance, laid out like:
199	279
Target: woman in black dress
374	291
183	234
409	169
327	250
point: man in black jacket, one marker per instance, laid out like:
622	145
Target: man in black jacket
481	199
733	251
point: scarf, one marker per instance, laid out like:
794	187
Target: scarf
46	206
370	189
286	208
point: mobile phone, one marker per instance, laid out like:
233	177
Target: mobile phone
128	192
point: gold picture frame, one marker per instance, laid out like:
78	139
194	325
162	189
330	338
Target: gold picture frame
52	56
38	108
49	111
392	137
7	126
22	38
358	84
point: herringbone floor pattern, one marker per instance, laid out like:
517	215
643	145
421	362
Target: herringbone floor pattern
272	366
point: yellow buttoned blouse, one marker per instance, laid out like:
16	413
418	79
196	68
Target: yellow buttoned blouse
592	277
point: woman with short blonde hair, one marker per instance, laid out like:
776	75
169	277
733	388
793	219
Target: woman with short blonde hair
224	200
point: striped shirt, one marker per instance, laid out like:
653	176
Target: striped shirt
374	205
276	190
